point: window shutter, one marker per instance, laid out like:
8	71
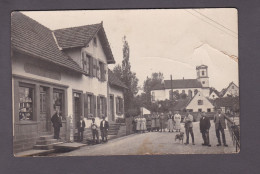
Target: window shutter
94	105
98	106
104	72
83	56
105	106
85	105
117	105
91	68
98	70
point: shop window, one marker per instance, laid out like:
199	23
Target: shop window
58	96
200	102
119	106
26	99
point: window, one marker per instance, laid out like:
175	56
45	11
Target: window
89	105
26	99
102	75
200	102
203	73
208	110
86	61
203	82
102	106
58	100
119	106
199	110
95	41
232	87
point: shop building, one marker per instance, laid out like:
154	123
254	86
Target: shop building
65	69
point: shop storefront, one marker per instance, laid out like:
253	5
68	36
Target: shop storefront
35	101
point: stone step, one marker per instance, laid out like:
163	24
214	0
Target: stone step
46	142
46	137
46	147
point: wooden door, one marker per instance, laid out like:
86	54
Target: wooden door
77	107
44	114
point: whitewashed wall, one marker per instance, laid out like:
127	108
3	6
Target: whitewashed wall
194	103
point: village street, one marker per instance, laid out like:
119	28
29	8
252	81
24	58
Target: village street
156	143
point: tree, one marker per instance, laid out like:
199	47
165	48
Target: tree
128	77
149	83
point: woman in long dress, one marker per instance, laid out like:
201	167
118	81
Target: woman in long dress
170	122
144	124
177	120
138	124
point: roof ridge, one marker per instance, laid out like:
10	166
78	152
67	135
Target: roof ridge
78	26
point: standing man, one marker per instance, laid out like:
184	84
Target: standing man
162	120
81	127
104	126
220	125
189	128
57	124
94	130
204	129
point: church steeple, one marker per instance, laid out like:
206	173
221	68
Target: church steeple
202	75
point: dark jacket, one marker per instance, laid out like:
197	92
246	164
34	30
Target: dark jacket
220	120
105	126
82	126
204	124
56	121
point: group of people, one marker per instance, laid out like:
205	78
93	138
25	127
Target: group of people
159	122
204	125
104	126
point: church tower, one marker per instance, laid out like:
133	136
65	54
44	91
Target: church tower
202	75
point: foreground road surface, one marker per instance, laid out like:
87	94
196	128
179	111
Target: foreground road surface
156	143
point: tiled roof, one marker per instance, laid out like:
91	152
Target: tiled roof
76	36
32	38
181	104
80	36
114	80
178	84
223	92
213	90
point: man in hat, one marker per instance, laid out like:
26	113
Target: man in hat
57	124
81	127
104	126
204	129
220	126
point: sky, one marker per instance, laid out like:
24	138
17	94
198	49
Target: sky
171	41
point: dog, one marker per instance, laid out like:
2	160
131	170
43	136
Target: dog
179	137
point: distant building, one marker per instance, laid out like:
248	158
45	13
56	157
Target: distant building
190	87
200	103
231	90
214	94
227	104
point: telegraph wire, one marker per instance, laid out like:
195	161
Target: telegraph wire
211	24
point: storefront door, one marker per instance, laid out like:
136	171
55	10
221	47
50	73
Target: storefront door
44	110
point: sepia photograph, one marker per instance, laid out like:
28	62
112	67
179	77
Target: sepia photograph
125	82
